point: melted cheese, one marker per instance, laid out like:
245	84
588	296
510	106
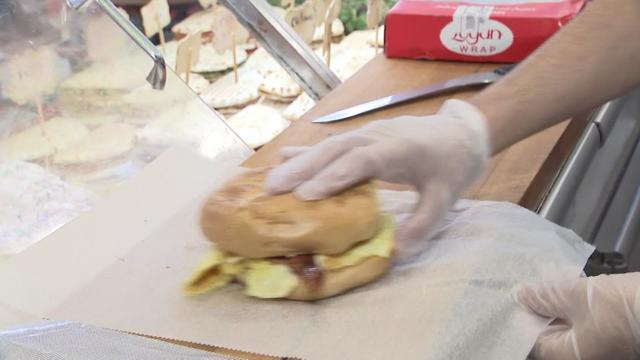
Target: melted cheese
208	274
381	245
266	279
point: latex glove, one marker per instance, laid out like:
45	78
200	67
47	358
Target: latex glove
439	155
596	317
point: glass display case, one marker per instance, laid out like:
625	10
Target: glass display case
87	100
83	108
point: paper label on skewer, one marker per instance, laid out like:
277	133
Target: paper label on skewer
99	46
374	13
188	53
222	41
319	10
227	31
332	13
155	16
31	76
302	20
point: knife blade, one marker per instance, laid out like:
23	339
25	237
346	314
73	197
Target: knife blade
469	81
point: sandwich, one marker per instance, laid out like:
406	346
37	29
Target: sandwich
99	153
363	38
102	87
40	141
348	61
232	98
189	124
260	60
257	124
337	32
204	21
200	21
283	247
211	64
277	85
298	107
198	83
144	101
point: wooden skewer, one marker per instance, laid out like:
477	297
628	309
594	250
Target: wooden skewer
41	121
376	40
327	32
235	59
327	42
189	55
161	34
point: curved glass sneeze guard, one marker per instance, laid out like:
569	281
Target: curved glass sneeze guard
78	118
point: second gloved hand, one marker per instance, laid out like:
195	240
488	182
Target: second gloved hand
596	317
439	155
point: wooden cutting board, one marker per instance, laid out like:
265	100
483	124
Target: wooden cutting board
519	174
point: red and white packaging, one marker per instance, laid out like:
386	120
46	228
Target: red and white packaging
474	30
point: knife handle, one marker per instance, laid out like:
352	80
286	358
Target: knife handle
504	70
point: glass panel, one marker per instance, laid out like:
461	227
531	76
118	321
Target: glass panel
264	99
77	117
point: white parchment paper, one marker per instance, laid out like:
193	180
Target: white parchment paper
123	264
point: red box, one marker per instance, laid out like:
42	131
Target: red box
476	31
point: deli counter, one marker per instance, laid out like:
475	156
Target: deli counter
88	104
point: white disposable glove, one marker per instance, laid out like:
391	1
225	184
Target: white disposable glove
439	155
596	317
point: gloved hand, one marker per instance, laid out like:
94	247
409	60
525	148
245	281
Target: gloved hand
439	155
596	317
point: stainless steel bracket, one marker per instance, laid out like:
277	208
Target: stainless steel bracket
574	173
561	193
592	139
158	75
282	42
606	116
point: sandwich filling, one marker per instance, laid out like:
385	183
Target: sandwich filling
278	277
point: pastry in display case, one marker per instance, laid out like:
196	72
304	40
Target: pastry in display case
230	98
258	124
79	115
298	107
260	78
211	63
337	32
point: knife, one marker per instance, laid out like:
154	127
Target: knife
469	81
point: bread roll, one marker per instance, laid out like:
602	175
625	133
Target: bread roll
243	220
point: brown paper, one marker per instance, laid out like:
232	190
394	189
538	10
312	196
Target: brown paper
123	264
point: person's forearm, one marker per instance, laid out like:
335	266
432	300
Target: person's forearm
596	57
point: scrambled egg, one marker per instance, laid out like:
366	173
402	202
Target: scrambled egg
267	279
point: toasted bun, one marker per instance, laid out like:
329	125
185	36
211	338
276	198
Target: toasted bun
243	220
338	281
